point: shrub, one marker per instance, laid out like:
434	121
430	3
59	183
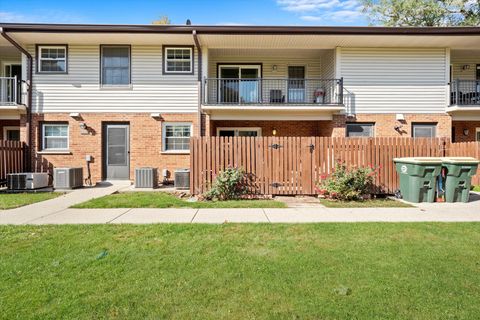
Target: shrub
347	184
229	184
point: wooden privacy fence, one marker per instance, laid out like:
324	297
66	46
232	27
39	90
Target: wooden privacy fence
466	149
293	165
12	159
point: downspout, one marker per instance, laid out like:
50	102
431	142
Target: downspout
199	52
29	95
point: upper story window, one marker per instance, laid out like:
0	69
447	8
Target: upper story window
115	66
52	59
178	60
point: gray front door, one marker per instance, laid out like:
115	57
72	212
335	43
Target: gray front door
117	152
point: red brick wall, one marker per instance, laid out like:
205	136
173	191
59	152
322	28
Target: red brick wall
7	123
384	125
145	142
462	125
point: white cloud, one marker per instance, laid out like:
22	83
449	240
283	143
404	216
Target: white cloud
11	17
311	18
329	12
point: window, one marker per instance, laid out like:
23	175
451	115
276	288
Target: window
477	134
55	136
11	133
176	137
115	61
478	72
52	59
360	130
178	60
239	132
424	130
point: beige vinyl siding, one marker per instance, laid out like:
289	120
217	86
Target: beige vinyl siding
394	80
80	91
458	60
328	64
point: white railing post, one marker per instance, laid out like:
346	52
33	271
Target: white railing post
14	98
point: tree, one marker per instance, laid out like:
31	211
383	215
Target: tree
162	20
423	13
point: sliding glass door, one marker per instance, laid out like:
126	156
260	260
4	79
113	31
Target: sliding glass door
239	84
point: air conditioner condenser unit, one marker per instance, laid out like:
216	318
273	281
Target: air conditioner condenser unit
27	181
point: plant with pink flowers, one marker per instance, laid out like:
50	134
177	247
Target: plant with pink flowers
349	184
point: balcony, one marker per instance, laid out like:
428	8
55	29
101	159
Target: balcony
273	92
10	91
465	93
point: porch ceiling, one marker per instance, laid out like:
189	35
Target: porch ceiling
324	112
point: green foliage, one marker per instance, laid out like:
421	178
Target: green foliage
230	184
423	13
347	184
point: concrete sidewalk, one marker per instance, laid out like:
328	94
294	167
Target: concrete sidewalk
57	211
47	208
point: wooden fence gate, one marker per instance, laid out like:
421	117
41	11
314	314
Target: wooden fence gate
12	159
293	165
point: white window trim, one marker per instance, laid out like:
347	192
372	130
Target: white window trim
424	125
40	59
477	131
116	86
6	129
165	60
237	129
361	124
164	136
43	137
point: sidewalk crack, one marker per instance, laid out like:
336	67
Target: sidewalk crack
193	218
266	216
124	213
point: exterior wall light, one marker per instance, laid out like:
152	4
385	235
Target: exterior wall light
466	67
274	132
465	132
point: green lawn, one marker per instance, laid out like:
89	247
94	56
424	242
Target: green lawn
476	188
166	200
312	271
376	203
15	200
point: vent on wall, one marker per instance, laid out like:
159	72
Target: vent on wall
67	178
182	179
146	178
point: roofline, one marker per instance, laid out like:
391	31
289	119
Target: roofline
222	29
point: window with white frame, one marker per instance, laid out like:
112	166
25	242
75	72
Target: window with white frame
52	59
178	60
239	132
355	130
477	134
54	136
115	61
176	137
420	130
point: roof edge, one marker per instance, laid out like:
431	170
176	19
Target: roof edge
224	29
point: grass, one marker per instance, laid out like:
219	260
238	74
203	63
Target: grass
15	200
165	200
375	203
476	188
231	271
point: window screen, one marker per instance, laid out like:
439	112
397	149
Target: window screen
424	130
176	137
52	59
360	130
115	65
55	136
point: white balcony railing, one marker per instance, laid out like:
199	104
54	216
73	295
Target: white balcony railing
10	90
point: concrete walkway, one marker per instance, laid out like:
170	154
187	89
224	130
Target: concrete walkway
56	211
60	204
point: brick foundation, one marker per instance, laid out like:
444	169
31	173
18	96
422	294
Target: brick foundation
460	126
145	142
384	125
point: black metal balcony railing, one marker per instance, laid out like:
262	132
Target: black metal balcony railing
222	91
10	91
465	92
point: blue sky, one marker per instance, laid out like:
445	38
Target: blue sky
242	12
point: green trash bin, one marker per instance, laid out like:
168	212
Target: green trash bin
418	178
459	173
